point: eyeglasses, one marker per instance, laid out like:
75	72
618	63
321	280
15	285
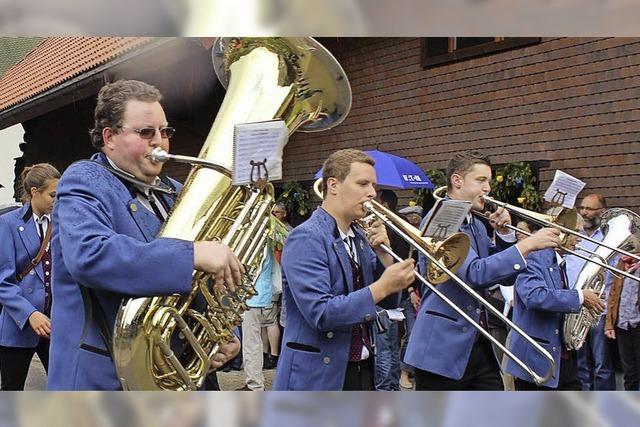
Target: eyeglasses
588	209
150	133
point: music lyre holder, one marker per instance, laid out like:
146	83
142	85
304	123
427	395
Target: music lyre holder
256	170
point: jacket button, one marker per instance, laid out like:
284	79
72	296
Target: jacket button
554	349
326	360
556	331
469	307
133	207
478	310
32	272
29	290
551	269
367	317
517	267
329	334
21	228
464	329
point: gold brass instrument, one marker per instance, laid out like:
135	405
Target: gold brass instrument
621	229
451	252
562	219
166	343
544	221
413	236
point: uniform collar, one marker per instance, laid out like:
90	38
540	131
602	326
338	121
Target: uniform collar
144	190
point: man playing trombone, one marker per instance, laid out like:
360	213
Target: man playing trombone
542	296
330	289
448	353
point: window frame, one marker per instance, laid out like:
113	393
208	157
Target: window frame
500	44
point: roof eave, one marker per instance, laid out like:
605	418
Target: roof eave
79	87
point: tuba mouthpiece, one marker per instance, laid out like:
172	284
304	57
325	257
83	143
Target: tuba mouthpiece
158	155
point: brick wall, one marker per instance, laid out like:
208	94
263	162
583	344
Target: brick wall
569	103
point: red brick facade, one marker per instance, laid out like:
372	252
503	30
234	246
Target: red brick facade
571	104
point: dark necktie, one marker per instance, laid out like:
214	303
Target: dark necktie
563	274
359	333
154	202
41	221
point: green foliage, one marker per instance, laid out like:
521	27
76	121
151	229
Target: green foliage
438	179
295	198
514	183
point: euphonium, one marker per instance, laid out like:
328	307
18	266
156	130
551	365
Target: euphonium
166	343
619	226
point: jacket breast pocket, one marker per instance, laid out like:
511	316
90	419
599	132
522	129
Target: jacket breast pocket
442	315
303	347
540	340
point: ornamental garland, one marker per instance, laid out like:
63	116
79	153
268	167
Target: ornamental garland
437	178
295	198
514	183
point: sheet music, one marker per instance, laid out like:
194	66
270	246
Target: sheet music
448	219
564	190
396	314
256	142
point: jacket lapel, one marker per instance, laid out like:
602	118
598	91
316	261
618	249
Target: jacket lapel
361	244
30	239
338	247
147	221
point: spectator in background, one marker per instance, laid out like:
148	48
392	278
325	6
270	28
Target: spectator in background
411	298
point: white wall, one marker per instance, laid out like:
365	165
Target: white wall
9	140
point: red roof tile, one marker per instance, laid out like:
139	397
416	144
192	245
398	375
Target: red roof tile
58	59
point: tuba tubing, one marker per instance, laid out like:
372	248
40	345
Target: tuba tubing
167	342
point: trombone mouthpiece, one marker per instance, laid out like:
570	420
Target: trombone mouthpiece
368	206
158	155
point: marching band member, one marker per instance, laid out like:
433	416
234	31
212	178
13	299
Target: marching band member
623	318
542	297
330	291
104	246
25	277
447	352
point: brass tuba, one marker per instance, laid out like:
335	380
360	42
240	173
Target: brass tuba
166	343
620	228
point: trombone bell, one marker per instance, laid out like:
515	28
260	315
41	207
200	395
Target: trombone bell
451	253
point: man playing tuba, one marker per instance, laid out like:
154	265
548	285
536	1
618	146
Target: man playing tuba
108	212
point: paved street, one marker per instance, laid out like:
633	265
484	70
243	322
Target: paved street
37	379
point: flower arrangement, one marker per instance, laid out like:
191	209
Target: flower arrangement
437	178
514	183
295	198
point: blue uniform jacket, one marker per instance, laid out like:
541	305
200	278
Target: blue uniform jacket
19	244
441	340
321	305
539	306
103	239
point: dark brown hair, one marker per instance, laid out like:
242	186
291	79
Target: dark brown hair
112	100
463	162
338	165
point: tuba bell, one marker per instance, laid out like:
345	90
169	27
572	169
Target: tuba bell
166	343
620	227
